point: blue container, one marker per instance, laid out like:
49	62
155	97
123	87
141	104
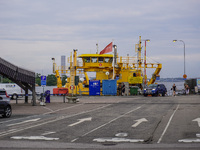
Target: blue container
47	95
94	87
109	87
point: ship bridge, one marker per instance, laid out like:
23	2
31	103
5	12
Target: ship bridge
91	62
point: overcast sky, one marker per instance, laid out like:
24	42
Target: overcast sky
34	31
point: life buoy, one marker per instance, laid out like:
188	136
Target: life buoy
72	87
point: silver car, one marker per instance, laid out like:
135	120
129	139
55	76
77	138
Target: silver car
5	107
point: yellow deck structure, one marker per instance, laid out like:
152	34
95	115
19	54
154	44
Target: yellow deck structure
106	66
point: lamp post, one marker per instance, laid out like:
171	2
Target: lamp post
184	76
145	54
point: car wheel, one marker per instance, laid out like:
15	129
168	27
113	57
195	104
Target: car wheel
8	112
156	94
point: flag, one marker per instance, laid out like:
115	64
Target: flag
107	49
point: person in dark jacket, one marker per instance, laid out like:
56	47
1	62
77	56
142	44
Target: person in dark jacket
174	89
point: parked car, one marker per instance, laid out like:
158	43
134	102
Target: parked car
5	107
155	90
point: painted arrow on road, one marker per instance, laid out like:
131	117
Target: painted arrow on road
32	120
139	121
198	121
80	121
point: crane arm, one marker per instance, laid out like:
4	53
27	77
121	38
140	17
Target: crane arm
86	77
57	75
157	71
59	81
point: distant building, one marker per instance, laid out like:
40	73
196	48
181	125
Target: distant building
63	67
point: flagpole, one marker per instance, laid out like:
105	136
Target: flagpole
114	57
97	48
113	64
107	49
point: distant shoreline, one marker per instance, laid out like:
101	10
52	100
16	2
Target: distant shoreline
174	79
171	80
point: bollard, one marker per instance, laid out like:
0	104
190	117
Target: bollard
80	92
16	100
63	98
42	101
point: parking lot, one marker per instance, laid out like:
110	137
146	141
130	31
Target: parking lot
106	122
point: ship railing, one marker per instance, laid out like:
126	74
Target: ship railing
62	69
128	60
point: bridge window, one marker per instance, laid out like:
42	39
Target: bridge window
87	59
111	60
107	60
100	59
94	59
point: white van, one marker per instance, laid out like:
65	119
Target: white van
13	90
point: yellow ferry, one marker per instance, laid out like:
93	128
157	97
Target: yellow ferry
131	70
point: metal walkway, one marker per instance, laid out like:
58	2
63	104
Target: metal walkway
22	77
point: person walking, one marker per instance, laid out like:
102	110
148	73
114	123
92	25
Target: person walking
187	91
119	89
174	89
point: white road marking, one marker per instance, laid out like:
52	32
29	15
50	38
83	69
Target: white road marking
198	135
117	140
80	121
74	140
34	138
62	109
160	139
47	133
51	121
48	109
10	120
189	140
197	120
32	120
121	134
108	122
139	121
8	131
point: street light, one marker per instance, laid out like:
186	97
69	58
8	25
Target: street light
184	76
145	54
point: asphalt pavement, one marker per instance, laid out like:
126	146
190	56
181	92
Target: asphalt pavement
104	122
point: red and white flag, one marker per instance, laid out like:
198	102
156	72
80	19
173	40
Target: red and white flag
107	49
